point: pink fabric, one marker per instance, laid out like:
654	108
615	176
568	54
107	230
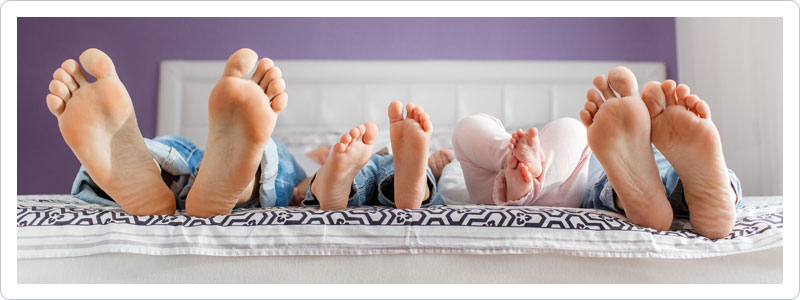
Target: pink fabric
481	141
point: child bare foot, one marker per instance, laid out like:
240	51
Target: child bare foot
438	160
525	146
98	123
334	179
241	115
410	137
519	179
683	131
618	131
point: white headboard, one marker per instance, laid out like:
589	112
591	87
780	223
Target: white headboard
334	96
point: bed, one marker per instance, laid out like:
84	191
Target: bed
444	244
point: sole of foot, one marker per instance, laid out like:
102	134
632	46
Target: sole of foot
618	131
241	113
98	123
334	179
410	137
684	133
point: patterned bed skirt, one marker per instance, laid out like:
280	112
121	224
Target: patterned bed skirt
61	226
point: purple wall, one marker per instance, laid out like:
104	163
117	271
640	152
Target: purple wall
137	45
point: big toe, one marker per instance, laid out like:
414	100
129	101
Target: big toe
97	63
240	63
395	111
653	96
622	80
370	133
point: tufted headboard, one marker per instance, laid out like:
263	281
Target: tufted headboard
327	97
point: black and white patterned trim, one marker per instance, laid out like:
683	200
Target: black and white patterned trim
55	212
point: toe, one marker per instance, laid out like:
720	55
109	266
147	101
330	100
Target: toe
594	97
71	66
240	63
586	117
668	86
622	80
55	104
279	102
526	174
533	132
395	111
653	97
702	109
97	63
271	74
64	77
339	147
59	89
427	125
682	92
276	87
601	83
370	133
263	66
346	138
410	111
354	133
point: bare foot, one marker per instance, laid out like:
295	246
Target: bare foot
241	114
334	179
410	137
618	131
98	123
438	160
683	131
525	146
519	179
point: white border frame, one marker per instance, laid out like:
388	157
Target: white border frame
786	10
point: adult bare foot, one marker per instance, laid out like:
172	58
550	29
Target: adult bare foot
98	123
334	179
241	115
410	137
683	131
618	131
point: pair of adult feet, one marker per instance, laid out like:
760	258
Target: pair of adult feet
410	137
98	123
620	132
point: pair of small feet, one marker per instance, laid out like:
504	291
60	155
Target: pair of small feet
620	132
98	123
410	136
524	163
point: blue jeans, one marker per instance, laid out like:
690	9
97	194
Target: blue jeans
180	160
374	185
600	194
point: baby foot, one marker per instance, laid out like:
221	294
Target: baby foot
98	123
241	115
683	131
410	137
438	160
334	179
618	131
519	179
525	146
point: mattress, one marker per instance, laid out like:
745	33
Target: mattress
62	226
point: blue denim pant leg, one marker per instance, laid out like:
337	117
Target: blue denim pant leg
363	191
176	156
600	194
279	174
386	184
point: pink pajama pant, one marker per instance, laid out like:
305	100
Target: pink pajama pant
481	141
